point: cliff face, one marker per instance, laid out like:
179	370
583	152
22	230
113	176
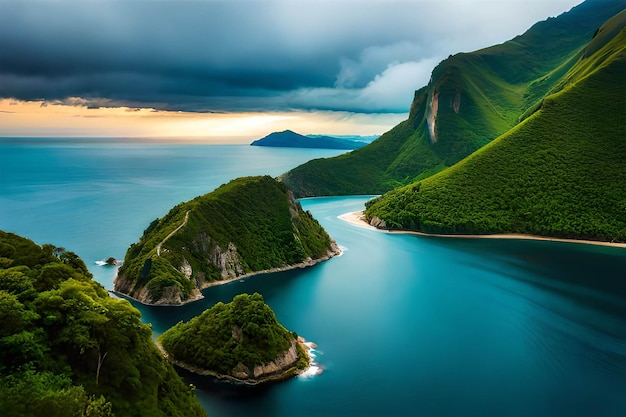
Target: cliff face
282	363
248	226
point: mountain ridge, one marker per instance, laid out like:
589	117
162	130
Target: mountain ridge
559	173
471	99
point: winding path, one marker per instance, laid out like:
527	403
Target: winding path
158	249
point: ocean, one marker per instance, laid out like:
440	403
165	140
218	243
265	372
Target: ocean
405	325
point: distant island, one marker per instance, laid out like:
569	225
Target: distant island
240	341
247	226
291	139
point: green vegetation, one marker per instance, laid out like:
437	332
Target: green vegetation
559	173
233	338
68	349
472	99
250	224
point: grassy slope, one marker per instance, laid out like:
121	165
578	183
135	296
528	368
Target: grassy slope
495	87
559	173
256	214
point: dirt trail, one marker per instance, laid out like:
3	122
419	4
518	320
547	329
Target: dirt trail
173	233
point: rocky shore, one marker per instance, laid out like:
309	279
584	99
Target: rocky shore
283	367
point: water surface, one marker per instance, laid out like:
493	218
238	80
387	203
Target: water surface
406	325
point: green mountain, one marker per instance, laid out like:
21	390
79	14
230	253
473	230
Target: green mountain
241	341
471	99
68	349
291	139
561	172
247	226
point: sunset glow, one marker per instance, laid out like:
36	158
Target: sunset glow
20	118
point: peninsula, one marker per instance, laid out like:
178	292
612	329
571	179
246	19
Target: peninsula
248	226
240	341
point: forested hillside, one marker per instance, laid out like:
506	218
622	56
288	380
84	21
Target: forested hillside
472	98
561	172
68	349
249	225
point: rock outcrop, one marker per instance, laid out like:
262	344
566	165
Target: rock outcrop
281	364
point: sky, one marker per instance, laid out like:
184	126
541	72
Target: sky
234	70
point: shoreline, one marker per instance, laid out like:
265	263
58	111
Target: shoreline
357	218
276	377
335	251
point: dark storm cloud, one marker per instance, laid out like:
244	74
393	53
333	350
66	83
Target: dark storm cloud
208	55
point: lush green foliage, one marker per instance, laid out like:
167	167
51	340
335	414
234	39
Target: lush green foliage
243	331
480	95
257	215
559	173
68	349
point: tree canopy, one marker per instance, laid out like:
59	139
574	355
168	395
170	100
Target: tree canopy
243	331
68	349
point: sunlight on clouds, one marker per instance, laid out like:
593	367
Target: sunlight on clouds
19	118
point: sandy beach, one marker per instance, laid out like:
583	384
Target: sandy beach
357	218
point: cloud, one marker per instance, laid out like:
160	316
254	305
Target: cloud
244	55
387	92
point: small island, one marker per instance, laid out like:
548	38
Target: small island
248	226
240	341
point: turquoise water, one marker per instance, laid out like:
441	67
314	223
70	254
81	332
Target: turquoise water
405	325
96	198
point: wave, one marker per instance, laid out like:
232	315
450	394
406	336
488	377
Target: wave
314	368
103	262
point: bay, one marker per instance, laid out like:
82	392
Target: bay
405	325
